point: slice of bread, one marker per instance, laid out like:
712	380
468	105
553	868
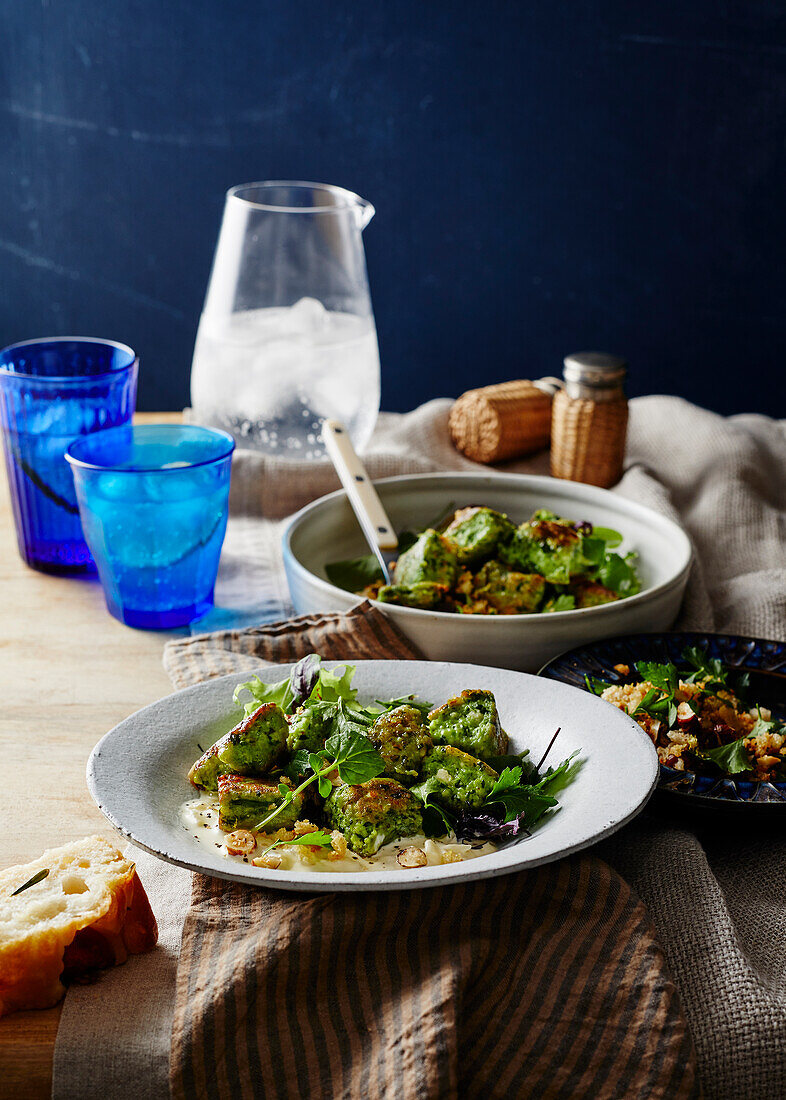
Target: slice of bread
89	912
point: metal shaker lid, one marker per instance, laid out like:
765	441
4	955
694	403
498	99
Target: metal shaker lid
594	374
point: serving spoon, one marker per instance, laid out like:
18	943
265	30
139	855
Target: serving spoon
370	512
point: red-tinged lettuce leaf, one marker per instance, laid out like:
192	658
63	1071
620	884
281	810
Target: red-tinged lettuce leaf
303	678
484	826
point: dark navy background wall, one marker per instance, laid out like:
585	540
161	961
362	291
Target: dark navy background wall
548	177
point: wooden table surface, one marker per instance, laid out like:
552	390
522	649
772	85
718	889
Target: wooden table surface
68	673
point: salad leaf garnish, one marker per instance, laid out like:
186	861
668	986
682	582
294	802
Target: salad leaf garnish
303	679
317	839
298	766
336	685
596	686
703	667
402	701
308	682
611	537
557	779
593	549
657	706
518	799
731	759
663	676
436	819
354	574
618	574
563	602
528	769
353	754
279	692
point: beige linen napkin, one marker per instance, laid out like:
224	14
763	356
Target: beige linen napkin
545	983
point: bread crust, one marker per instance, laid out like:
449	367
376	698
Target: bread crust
91	911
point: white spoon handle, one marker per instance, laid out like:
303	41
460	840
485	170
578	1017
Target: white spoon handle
363	497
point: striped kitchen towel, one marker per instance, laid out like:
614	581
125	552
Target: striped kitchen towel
545	983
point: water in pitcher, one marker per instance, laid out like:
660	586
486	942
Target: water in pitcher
270	376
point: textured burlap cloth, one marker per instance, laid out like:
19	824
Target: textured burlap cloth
550	983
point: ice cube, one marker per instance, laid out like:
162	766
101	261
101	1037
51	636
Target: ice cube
307	316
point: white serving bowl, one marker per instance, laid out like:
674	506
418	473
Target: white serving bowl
327	531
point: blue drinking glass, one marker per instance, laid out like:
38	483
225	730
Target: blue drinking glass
154	501
51	392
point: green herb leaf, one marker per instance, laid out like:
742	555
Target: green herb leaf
618	574
658	706
563	602
528	773
404	700
315	761
279	692
596	686
525	800
509	777
517	797
663	676
611	537
317	839
762	726
299	765
356	758
335	684
354	574
437	821
39	876
557	779
704	667
593	549
731	759
325	786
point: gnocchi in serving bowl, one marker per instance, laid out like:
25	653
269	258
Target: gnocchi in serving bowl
327	532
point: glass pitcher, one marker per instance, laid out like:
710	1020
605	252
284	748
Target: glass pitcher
287	335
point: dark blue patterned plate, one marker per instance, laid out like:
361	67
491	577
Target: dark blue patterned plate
764	660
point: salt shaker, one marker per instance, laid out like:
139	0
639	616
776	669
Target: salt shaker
590	420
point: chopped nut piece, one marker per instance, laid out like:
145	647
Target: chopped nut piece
411	857
279	834
303	827
450	855
240	842
338	842
624	670
272	861
685	713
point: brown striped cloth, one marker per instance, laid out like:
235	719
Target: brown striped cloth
545	983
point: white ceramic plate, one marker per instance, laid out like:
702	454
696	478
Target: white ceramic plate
137	772
327	531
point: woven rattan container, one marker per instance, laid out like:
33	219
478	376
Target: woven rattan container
497	423
590	420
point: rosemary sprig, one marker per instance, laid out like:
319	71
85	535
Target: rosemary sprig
39	876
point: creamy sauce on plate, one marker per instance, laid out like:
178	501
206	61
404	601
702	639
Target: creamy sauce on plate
200	817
